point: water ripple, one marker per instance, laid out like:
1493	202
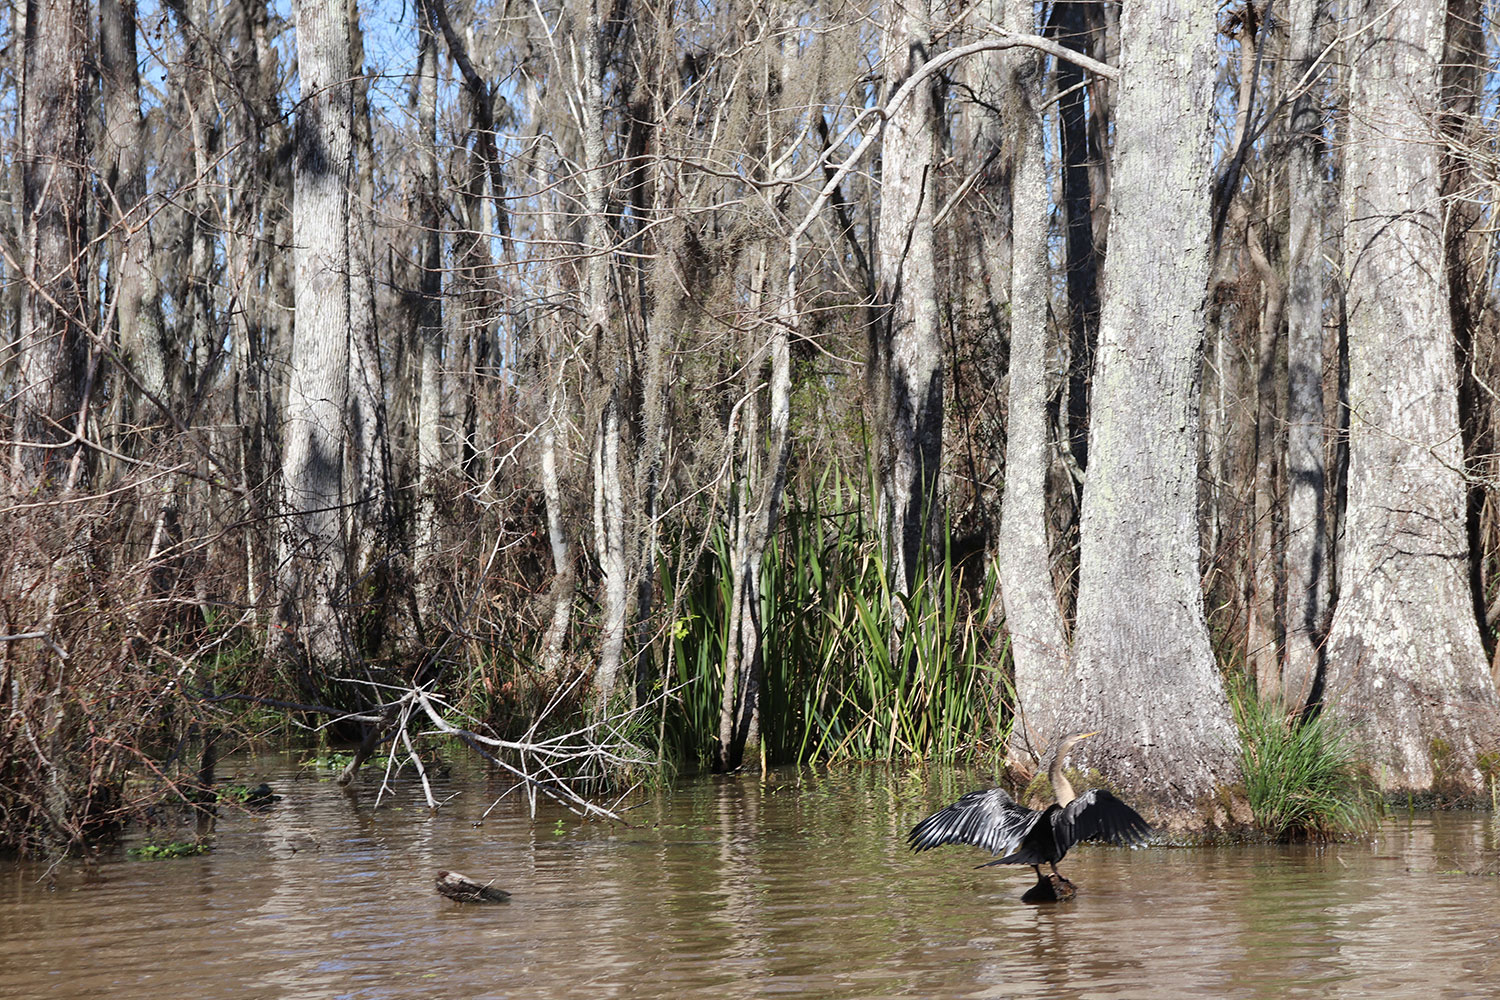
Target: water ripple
730	889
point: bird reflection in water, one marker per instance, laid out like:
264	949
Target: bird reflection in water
991	819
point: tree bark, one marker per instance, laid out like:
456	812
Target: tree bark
1143	668
313	487
551	366
123	154
564	580
475	277
758	474
53	348
609	544
430	461
1070	23
759	483
981	240
1405	663
1260	579
49	384
1263	634
190	87
370	525
1032	614
610	469
1469	244
740	695
906	349
252	249
1306	528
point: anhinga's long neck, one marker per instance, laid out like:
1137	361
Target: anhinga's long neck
1059	781
1061	786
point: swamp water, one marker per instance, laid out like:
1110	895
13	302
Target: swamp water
800	885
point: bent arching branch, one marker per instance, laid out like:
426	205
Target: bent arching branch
1002	40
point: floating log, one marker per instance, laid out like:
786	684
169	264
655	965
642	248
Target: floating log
1050	889
462	889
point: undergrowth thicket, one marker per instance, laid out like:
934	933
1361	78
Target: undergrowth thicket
841	682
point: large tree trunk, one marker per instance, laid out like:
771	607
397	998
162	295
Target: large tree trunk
1405	663
370	519
759	467
609	470
189	89
565	578
611	360
430	304
54	330
252	250
981	238
49	390
123	153
550	367
313	449
1144	671
760	478
1306	528
906	349
1032	614
739	697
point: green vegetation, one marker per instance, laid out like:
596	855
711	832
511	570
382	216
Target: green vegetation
835	687
261	794
1489	766
1302	772
336	760
175	849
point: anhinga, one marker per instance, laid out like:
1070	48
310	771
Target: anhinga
993	820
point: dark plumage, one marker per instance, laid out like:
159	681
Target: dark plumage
991	819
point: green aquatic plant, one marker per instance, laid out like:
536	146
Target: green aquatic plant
936	690
175	849
1303	774
836	686
1489	767
336	760
250	795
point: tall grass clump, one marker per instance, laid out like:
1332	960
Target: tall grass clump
841	682
697	644
1302	771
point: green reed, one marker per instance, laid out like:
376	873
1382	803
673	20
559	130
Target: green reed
1303	773
841	681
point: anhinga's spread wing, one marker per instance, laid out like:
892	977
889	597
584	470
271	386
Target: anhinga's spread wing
990	819
1098	815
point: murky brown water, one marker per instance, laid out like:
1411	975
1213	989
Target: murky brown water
733	888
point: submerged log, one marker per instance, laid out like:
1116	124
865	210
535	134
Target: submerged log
1050	889
462	889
